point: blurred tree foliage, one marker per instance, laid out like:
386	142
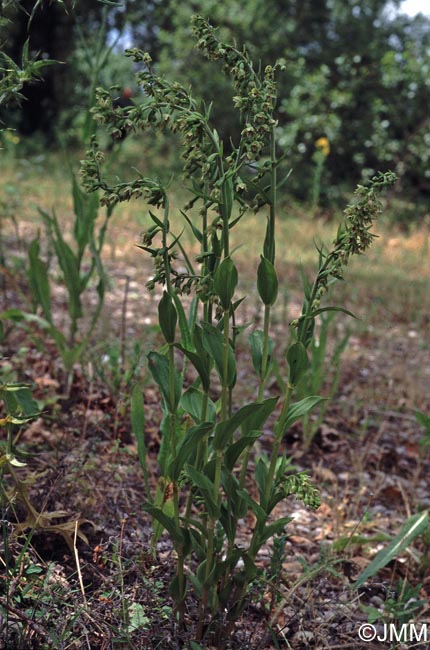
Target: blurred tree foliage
357	74
80	36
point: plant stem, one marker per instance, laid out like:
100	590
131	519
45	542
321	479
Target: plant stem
226	345
172	419
180	564
274	196
279	432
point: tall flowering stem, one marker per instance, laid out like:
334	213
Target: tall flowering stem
206	483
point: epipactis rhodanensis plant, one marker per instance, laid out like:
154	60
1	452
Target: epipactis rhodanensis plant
205	487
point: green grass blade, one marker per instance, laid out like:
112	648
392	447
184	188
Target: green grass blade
414	527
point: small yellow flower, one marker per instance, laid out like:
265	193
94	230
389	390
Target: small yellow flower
323	145
11	137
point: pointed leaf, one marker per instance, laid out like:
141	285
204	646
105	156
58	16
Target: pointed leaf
253	505
414	527
167	317
276	528
167	522
225	282
227	197
234	450
137	418
298	361
256	340
39	280
321	310
267	282
188	447
257	418
192	402
183	323
245	415
206	488
213	342
196	232
261	474
301	408
159	367
199	364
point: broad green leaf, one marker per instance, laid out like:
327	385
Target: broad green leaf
188	448
256	340
192	401
24	399
164	456
233	452
71	355
301	408
227	521
305	331
414	527
200	363
269	238
167	522
256	419
206	488
234	508
167	317
253	505
158	221
267	282
245	415
159	367
298	361
192	315
213	342
225	282
307	287
198	590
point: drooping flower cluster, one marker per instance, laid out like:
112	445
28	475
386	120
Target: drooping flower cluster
353	238
359	217
256	98
92	180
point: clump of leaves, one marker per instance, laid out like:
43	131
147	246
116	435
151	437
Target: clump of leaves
80	265
206	484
